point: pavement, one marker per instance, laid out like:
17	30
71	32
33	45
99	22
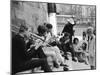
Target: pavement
72	66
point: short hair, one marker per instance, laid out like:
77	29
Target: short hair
84	33
41	29
49	26
23	28
75	40
85	45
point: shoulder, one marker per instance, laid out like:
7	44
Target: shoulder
17	38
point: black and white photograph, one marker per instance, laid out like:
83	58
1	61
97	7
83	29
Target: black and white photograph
52	37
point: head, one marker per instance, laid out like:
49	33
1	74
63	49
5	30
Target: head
84	45
71	20
90	31
76	41
84	35
24	31
42	30
49	27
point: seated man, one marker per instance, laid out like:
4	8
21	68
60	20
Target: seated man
22	58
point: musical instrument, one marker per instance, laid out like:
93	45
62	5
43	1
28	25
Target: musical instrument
41	41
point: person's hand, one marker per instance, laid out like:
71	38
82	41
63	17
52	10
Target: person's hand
38	43
31	46
44	44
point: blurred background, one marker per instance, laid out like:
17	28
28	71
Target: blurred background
37	13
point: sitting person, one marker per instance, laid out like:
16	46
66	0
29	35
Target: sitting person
84	55
22	58
50	38
80	50
75	44
49	50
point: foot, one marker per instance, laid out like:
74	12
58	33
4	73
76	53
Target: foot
64	65
65	69
74	59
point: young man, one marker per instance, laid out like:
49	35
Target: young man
22	58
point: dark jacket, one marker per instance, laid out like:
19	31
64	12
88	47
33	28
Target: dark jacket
19	50
68	28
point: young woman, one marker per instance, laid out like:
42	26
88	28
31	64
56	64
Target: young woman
76	47
49	50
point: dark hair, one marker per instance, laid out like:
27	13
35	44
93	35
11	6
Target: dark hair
84	33
84	48
75	40
41	29
49	26
23	28
66	34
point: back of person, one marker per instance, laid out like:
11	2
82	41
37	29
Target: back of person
18	46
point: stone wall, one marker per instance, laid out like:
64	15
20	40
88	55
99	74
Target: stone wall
30	13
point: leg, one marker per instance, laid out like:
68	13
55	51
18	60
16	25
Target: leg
58	54
40	53
31	64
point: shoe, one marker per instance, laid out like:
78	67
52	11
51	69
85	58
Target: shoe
64	65
74	59
56	65
65	69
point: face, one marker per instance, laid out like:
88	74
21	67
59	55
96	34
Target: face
49	30
90	32
27	34
84	37
76	41
83	45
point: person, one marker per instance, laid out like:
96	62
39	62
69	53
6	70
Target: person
76	48
84	54
48	49
69	28
22	58
65	42
91	47
84	35
75	44
67	46
50	38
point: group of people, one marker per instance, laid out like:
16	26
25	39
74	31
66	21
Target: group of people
85	49
45	50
